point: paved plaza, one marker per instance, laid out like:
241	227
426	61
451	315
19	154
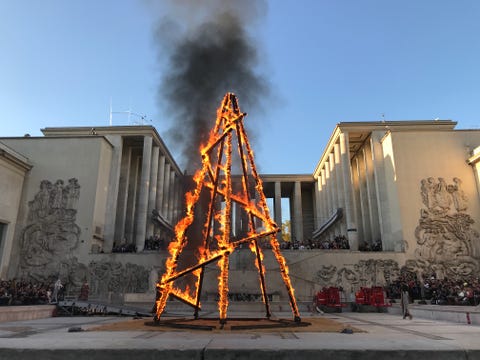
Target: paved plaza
383	336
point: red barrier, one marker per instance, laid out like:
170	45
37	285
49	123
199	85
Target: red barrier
329	297
374	296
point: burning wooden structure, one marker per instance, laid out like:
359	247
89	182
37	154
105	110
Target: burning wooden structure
214	181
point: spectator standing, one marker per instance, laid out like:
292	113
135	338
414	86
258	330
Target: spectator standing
84	291
405	300
57	287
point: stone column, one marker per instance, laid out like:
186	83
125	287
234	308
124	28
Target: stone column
356	199
392	239
132	199
112	197
333	182
277	204
328	182
372	194
348	193
144	190
297	194
332	186
257	222
166	191
122	200
238	220
324	198
178	203
365	215
245	223
175	200
341	225
152	197
171	198
160	184
318	203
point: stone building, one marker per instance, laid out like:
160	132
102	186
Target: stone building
85	203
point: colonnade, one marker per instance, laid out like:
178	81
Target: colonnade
299	191
341	198
334	193
363	177
352	192
144	178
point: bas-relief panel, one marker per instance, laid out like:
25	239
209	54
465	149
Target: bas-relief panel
364	273
51	234
446	243
51	237
109	276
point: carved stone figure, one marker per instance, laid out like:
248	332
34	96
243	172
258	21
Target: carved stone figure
51	234
325	274
370	272
442	197
72	195
447	242
346	278
459	197
40	206
108	276
56	196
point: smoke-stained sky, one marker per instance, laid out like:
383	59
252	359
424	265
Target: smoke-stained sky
207	48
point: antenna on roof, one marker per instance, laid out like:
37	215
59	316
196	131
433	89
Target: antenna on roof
383	117
110	122
142	117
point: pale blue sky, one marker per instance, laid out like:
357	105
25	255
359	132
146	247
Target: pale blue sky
328	61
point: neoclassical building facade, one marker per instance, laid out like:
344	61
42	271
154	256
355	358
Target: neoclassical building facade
82	203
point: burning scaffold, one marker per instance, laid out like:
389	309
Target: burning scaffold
215	180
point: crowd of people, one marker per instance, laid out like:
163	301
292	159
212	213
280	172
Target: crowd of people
152	243
446	291
21	292
339	242
432	290
124	248
375	246
155	243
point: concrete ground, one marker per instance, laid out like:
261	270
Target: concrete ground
386	336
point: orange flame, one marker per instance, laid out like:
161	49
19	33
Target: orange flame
215	175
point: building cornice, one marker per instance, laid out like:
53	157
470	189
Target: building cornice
472	160
390	126
125	130
14	158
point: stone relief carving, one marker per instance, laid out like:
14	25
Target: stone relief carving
445	238
108	276
364	273
50	238
447	242
440	197
51	233
325	274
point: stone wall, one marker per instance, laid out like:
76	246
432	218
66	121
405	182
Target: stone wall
12	173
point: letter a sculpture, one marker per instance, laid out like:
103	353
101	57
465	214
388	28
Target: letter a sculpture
214	183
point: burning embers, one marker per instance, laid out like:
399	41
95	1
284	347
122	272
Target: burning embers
214	183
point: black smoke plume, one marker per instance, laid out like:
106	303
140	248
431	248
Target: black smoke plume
209	48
